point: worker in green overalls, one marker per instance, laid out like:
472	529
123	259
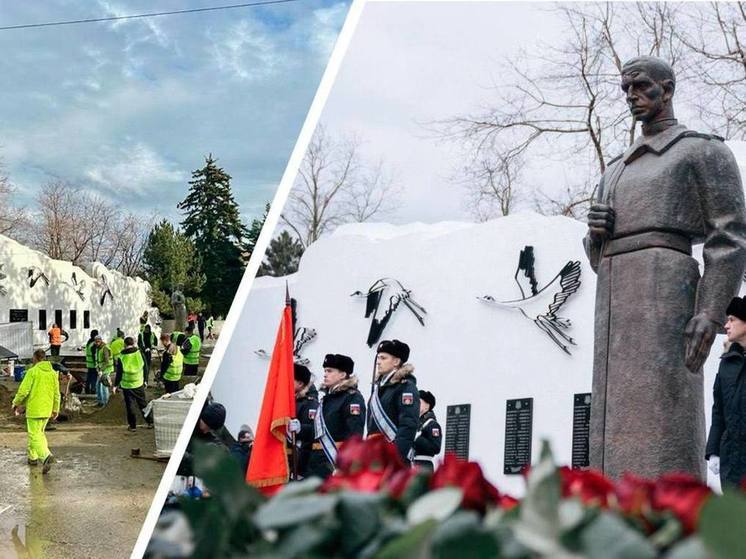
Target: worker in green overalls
39	395
117	345
190	348
172	364
130	379
105	366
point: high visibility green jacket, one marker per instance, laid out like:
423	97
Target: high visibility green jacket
192	357
176	366
39	391
132	364
104	359
116	345
90	354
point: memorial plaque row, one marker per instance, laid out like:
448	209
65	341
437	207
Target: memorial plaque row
519	414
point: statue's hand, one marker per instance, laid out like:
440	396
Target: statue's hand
698	336
601	221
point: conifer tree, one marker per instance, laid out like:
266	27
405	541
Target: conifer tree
171	262
283	256
212	222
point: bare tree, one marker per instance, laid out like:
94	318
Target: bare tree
716	34
335	186
563	101
13	219
491	185
82	228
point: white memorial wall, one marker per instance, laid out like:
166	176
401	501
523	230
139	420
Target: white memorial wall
41	290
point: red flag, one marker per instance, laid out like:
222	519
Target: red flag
268	467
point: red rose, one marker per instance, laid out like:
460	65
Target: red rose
590	486
478	492
396	483
359	454
366	465
506	502
682	494
634	495
365	481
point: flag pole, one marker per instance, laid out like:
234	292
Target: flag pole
294	448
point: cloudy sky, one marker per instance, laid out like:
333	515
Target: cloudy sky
411	63
130	108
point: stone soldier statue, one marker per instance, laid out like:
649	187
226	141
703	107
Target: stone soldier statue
178	301
655	317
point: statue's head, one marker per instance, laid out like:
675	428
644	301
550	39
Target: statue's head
649	84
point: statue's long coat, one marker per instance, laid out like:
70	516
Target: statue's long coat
670	189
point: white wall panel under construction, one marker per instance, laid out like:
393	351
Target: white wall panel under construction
35	288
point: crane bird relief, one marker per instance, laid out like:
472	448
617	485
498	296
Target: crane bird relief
397	295
541	305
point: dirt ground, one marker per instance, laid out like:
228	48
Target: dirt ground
92	503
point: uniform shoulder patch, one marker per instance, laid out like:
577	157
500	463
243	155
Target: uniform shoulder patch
407	398
354	409
312	413
436	432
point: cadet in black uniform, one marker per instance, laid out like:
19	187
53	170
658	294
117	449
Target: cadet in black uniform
429	437
394	406
342	413
306	404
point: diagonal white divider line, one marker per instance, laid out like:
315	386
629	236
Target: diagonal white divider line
278	203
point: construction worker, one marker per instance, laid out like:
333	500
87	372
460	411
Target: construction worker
55	338
190	348
104	366
90	363
178	337
130	378
147	342
117	345
172	364
39	395
210	326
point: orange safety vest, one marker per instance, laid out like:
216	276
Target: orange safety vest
55	336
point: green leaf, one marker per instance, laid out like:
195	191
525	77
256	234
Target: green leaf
670	532
284	513
539	523
436	505
298	488
690	548
462	535
414	544
359	513
610	537
722	525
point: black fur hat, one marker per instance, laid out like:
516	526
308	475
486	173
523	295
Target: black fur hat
301	373
395	348
213	415
340	362
428	397
737	308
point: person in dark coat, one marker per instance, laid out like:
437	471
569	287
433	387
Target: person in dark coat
342	409
726	443
241	449
429	436
210	421
147	343
306	404
394	406
201	322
